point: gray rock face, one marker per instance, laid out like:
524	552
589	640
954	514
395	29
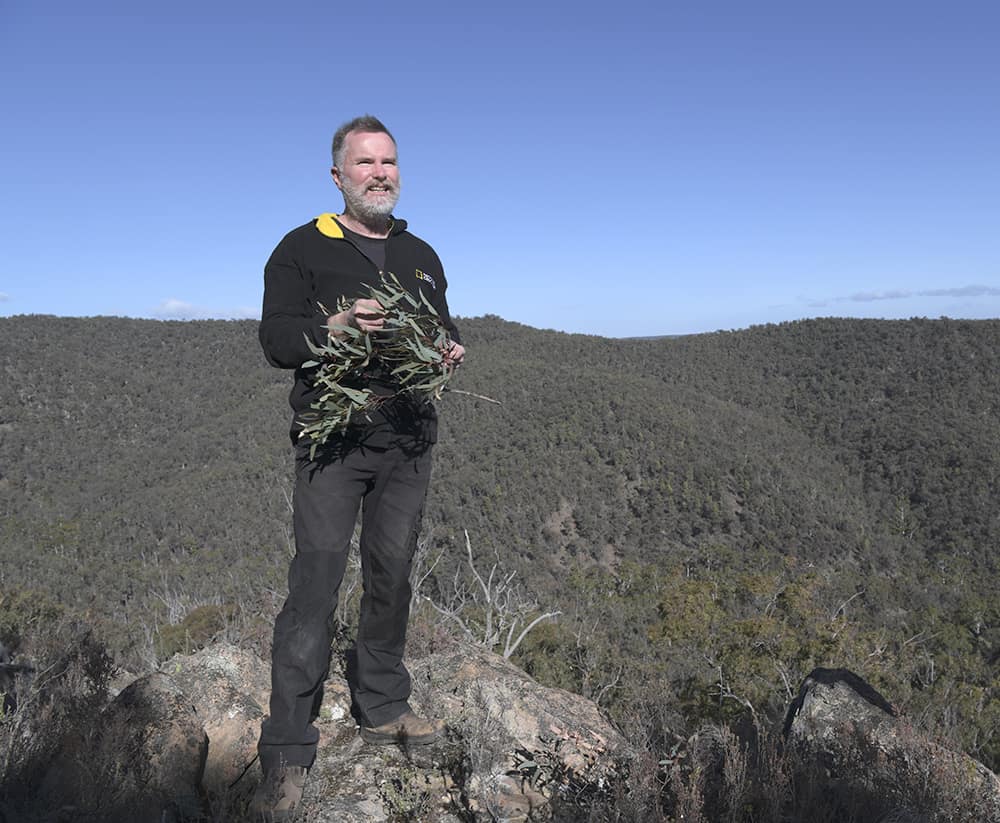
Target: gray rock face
525	742
512	746
228	687
841	726
353	782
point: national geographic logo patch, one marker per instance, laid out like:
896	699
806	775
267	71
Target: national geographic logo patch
426	278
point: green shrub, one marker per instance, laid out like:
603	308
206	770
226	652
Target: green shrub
195	631
25	612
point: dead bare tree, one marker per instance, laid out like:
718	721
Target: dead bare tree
491	609
595	680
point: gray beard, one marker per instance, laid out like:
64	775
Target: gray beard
355	203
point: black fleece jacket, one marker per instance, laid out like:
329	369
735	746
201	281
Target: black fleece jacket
315	265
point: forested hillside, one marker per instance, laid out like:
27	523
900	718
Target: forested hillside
713	514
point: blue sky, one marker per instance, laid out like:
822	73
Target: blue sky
616	169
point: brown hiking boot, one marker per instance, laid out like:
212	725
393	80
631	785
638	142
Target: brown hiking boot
408	730
279	794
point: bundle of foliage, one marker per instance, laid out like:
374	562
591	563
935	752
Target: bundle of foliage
408	349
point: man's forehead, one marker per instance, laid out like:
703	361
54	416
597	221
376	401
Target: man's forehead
366	141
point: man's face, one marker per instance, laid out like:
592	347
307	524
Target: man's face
368	176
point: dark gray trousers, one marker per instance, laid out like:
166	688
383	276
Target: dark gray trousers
390	486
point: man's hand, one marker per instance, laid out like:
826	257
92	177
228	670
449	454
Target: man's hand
454	354
365	315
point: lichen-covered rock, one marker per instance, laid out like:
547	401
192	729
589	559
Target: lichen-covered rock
353	782
511	748
525	742
512	745
229	689
840	725
472	684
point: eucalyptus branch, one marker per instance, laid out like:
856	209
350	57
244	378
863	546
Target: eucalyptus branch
408	352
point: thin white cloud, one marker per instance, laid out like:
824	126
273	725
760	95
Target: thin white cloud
964	291
870	296
174	309
4	297
903	294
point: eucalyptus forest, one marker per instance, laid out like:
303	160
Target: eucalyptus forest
712	515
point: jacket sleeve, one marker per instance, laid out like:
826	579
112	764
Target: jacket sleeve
288	314
440	303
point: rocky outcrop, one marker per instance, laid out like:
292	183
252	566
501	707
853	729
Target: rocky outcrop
840	727
179	745
513	747
526	742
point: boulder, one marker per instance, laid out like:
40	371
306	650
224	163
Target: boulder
512	744
524	742
844	731
352	782
229	688
470	685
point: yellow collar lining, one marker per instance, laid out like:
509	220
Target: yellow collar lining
328	226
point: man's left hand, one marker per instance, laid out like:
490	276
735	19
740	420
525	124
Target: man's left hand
454	354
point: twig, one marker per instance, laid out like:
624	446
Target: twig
449	614
509	648
842	606
784	678
608	686
472	394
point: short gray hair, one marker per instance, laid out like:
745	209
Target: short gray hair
364	123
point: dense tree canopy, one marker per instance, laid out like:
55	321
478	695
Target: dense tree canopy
713	514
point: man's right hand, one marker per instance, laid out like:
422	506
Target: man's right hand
365	315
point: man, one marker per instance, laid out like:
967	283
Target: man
381	465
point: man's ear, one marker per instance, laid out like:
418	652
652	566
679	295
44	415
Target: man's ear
335	174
